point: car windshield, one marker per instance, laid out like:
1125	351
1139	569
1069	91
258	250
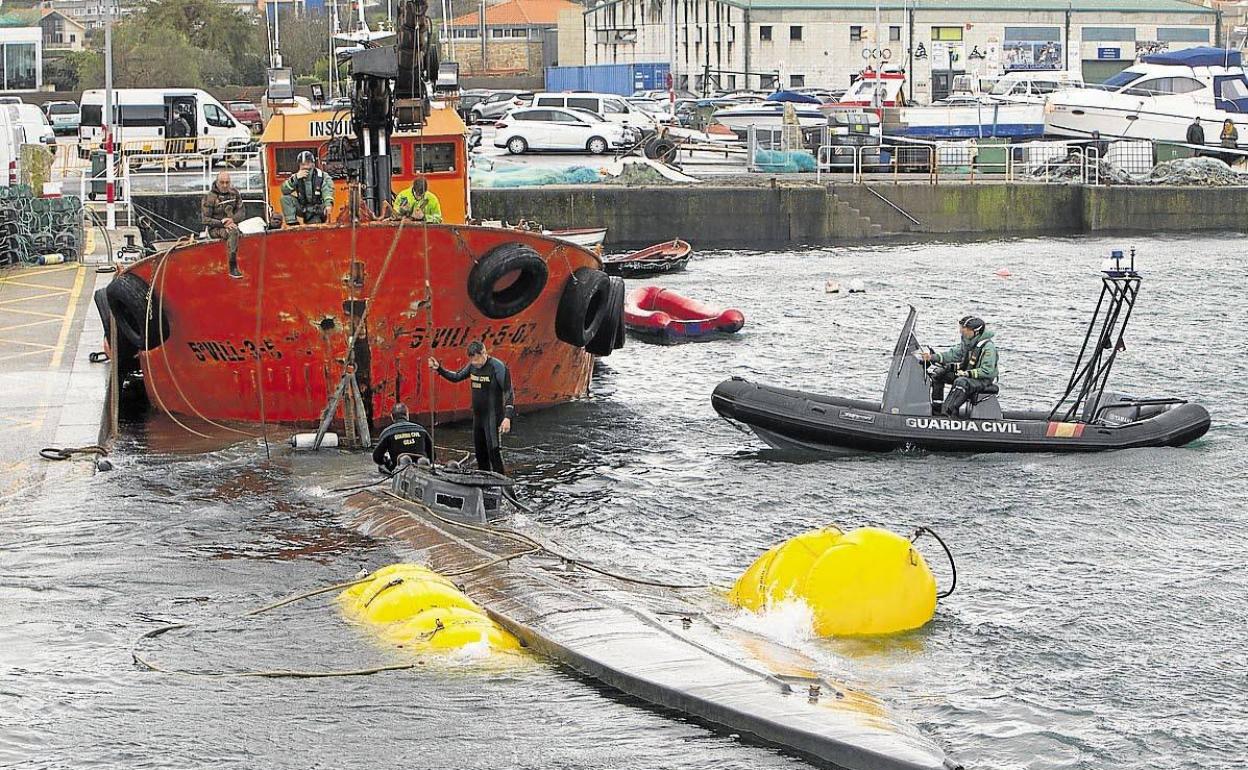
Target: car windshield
64	108
243	106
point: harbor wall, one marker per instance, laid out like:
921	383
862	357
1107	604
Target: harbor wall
758	213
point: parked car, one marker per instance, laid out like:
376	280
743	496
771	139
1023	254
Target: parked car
660	110
63	116
553	128
498	104
246	113
467	100
33	122
661	94
614	108
11	100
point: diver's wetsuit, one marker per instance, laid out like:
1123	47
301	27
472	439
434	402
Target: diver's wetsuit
492	400
403	437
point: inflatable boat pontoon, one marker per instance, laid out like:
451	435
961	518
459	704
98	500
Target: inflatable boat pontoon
1088	417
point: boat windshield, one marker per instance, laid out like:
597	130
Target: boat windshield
1233	89
1121	79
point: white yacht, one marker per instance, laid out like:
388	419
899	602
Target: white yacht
1157	98
1011	108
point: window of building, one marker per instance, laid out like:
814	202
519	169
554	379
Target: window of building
894	34
1108	34
465	33
795	33
767	82
17	70
855	33
797	81
1182	35
949	34
764	32
732	82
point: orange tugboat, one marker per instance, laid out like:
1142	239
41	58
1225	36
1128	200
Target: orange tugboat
356	306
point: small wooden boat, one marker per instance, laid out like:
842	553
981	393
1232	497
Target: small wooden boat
667	257
658	312
588	237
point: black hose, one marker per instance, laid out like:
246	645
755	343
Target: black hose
952	564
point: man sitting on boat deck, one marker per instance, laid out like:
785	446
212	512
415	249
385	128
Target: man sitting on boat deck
402	437
419	203
308	195
971	365
221	211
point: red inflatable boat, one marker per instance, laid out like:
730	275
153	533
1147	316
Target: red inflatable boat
660	312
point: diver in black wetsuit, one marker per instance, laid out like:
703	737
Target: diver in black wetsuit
402	437
493	403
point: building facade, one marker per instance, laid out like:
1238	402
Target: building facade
729	44
60	32
517	37
92	14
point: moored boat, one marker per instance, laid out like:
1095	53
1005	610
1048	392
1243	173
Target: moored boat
667	257
586	237
361	300
1088	417
655	311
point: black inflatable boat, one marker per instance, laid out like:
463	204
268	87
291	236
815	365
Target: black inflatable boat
1088	417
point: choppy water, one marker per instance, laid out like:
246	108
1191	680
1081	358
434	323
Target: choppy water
1098	621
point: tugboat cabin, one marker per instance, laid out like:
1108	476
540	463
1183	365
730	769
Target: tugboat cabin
438	151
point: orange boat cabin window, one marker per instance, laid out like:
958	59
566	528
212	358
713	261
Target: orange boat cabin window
431	158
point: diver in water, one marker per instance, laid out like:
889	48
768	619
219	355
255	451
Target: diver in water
402	437
971	365
493	403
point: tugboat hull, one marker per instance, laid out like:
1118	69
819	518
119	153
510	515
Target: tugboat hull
274	344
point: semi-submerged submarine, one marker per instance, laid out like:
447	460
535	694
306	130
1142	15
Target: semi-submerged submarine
1088	417
654	641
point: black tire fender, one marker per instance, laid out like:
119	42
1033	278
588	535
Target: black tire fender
583	307
515	295
605	340
657	147
127	297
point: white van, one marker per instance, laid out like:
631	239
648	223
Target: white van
145	118
614	108
12	137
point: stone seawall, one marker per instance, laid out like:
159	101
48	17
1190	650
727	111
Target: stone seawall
758	213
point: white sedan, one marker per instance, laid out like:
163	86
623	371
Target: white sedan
556	128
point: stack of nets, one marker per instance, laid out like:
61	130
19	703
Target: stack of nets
1203	172
784	161
30	226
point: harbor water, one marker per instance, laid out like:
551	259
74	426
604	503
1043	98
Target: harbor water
1097	621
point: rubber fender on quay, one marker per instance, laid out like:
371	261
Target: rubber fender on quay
605	340
583	306
508	279
126	353
864	582
127	296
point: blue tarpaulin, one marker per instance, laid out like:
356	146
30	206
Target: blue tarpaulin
1200	56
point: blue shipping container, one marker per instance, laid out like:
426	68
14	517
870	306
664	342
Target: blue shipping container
622	79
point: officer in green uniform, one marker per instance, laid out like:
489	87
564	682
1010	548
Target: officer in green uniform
308	195
971	365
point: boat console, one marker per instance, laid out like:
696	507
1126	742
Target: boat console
464	494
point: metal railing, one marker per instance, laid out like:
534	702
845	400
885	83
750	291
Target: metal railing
967	161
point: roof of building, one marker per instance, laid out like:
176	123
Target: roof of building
518	13
21	17
1113	6
53	12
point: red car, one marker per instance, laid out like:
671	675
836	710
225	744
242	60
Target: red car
247	114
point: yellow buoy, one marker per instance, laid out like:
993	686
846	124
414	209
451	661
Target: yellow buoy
863	582
411	605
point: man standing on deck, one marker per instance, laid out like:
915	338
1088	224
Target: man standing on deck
221	211
402	437
418	203
971	365
308	195
493	403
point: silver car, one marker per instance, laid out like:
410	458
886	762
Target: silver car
498	104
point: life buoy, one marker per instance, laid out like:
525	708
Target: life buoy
127	297
507	280
584	306
608	334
